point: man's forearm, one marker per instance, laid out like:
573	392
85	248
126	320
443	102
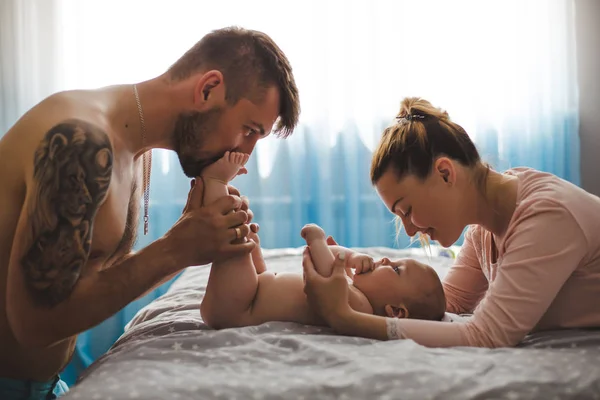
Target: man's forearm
96	297
159	284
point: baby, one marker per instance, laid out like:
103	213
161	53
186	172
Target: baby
241	292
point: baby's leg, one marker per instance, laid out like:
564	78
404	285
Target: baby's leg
257	257
232	283
319	249
217	175
230	292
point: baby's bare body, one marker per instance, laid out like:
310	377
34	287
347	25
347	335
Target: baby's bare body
268	296
241	292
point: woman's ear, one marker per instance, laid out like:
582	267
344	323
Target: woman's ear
444	168
399	311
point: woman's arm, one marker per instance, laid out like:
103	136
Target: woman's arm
542	251
465	284
426	333
329	296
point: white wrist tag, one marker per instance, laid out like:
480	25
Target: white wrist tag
391	325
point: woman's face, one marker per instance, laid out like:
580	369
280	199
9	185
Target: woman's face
431	206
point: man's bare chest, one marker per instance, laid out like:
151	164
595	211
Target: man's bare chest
115	225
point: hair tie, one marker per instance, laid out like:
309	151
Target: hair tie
409	118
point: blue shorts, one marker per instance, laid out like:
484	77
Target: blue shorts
13	389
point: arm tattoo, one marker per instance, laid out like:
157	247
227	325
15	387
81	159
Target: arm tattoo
72	171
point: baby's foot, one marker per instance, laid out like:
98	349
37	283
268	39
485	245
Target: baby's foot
312	232
227	167
319	250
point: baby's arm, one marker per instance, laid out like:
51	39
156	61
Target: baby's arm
319	249
324	254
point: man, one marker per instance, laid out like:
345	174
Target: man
71	178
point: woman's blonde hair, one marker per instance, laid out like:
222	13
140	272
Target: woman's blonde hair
423	133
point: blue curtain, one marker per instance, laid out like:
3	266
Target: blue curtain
508	77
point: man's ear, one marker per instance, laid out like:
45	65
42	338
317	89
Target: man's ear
209	91
444	168
399	311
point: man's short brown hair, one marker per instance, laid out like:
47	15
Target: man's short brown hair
250	62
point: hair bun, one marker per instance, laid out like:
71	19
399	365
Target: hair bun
416	106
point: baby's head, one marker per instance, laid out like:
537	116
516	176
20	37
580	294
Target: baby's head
410	290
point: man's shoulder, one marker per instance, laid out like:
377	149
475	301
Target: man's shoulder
57	107
52	110
58	122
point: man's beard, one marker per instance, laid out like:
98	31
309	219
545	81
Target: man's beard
190	134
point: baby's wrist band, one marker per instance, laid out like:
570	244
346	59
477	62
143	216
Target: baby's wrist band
391	325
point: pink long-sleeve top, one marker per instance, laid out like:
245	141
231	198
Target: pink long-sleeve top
546	273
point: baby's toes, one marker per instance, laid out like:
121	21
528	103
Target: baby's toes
232	157
240	159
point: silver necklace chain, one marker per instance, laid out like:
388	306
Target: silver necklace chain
146	160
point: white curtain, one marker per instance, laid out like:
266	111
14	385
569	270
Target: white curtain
504	69
28	56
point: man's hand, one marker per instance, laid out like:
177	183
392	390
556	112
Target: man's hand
205	234
245	207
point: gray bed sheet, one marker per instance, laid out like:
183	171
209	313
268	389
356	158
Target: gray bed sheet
167	352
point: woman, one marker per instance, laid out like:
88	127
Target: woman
531	256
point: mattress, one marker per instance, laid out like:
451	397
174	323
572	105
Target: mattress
167	352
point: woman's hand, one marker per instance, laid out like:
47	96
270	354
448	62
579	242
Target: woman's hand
327	296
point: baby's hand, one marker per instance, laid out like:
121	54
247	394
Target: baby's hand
361	263
383	261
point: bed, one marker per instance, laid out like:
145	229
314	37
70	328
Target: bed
167	352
